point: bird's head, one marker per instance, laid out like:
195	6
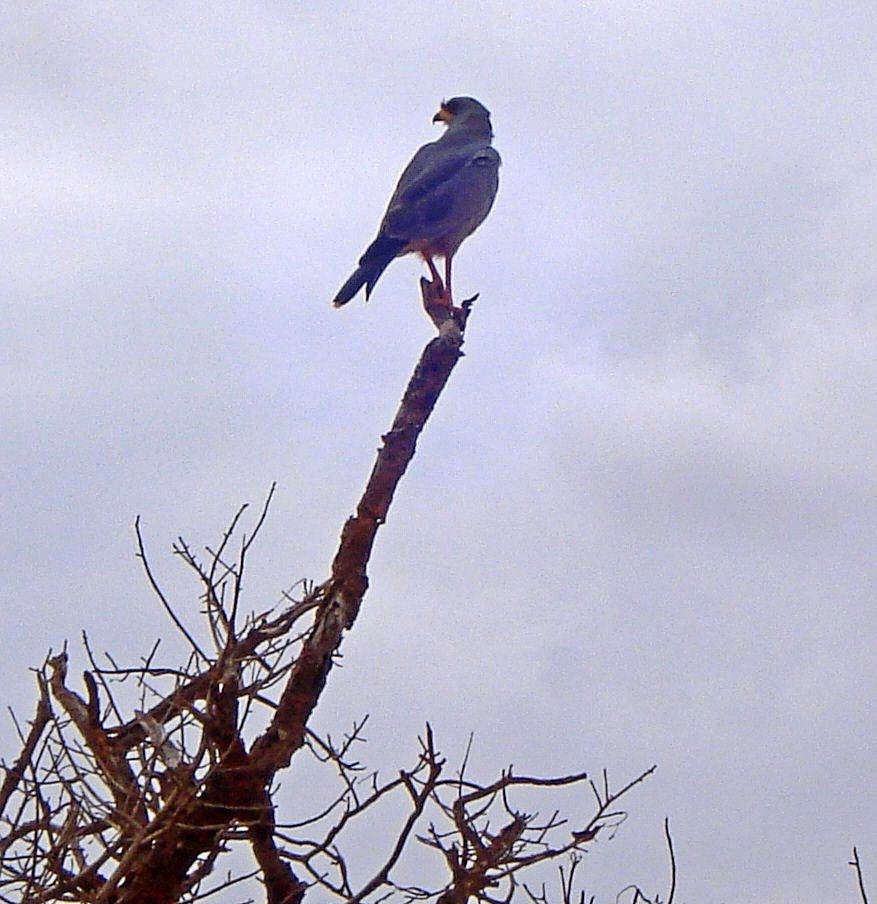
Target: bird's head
464	113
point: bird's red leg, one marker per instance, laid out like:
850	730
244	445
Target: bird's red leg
441	294
448	260
432	270
436	297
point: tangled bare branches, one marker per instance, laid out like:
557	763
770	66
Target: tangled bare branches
133	788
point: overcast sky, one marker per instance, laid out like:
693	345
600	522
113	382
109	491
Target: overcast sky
640	527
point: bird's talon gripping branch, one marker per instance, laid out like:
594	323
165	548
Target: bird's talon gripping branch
438	306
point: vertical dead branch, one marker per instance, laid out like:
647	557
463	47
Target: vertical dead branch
856	864
672	892
345	590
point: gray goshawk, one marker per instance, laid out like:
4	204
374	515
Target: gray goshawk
442	197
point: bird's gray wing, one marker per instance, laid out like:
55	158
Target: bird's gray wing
440	191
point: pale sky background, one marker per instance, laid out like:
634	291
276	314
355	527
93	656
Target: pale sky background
640	527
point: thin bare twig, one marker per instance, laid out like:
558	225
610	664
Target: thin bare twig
141	554
856	864
672	893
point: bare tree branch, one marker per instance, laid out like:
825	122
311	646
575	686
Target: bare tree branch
25	758
347	586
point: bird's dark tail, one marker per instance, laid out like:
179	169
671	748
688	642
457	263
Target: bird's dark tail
371	265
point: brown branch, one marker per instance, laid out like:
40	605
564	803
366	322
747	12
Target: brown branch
114	767
478	859
470	880
419	801
16	771
281	884
198	687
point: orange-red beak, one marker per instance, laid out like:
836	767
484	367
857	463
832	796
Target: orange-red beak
443	115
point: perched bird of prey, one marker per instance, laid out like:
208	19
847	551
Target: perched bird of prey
443	195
